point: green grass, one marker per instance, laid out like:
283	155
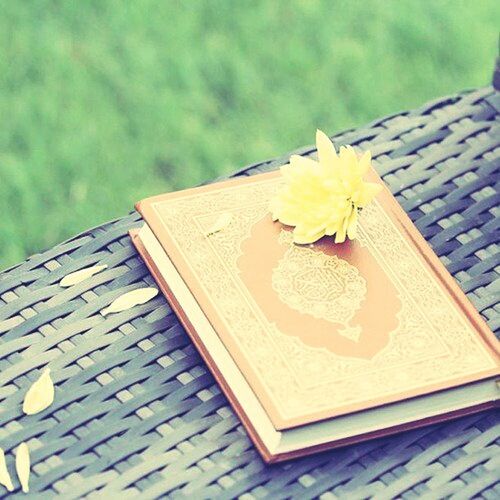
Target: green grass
106	102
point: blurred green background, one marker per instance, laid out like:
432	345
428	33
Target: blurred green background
106	102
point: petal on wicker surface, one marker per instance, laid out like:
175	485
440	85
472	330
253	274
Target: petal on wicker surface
5	479
130	299
40	395
80	275
23	466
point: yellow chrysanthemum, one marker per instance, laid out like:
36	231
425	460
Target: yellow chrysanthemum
323	197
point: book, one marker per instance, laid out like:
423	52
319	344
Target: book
319	345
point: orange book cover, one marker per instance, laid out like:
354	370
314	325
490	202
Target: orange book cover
325	329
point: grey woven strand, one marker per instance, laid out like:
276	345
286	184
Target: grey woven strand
136	412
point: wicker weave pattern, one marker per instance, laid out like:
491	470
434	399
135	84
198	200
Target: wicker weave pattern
136	411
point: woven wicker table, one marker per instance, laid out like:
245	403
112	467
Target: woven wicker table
137	413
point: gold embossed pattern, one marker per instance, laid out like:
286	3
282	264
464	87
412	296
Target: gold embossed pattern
321	285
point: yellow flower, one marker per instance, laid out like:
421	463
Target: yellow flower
323	197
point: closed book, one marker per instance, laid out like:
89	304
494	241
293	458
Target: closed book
319	345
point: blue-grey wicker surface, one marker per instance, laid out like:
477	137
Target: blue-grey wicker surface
136	412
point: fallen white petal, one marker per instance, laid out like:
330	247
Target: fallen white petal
40	395
221	223
80	275
130	299
23	466
5	479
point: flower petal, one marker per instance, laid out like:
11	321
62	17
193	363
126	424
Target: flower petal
322	198
349	159
340	236
221	223
326	150
302	161
352	225
331	229
364	162
23	466
306	238
5	479
78	276
367	193
40	395
130	299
